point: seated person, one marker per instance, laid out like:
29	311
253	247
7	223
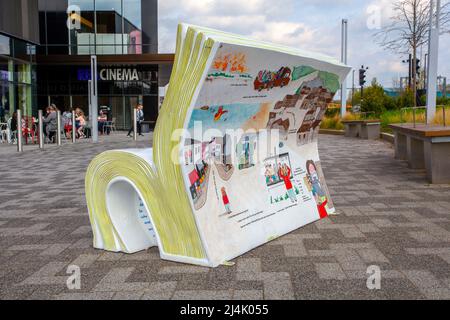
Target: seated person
102	121
50	122
67	123
80	123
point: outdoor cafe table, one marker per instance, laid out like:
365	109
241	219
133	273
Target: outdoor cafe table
424	147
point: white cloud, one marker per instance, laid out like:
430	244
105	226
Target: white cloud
307	24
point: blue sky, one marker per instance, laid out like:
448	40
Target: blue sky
307	24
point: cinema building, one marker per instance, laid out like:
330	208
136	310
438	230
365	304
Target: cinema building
123	34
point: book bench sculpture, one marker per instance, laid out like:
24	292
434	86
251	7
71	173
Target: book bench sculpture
234	162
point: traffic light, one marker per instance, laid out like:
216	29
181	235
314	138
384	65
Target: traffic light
362	76
418	66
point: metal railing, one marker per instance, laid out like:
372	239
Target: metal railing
443	114
414	109
365	114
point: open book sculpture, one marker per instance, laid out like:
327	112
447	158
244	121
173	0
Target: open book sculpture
234	162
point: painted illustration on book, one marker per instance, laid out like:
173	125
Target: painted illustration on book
248	92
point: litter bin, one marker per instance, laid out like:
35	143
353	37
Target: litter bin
145	127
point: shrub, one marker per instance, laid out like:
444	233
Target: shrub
406	99
333	123
443	101
374	99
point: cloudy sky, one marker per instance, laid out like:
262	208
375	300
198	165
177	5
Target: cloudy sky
307	24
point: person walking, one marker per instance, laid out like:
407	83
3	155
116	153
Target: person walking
139	119
2	112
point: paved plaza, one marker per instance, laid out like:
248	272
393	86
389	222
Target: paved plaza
389	217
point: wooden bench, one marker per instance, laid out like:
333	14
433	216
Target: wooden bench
364	129
424	147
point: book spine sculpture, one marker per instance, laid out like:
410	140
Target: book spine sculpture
234	162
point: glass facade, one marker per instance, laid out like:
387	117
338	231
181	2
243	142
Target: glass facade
110	29
17	76
120	88
102	27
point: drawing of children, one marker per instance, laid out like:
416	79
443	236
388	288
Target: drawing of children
226	201
313	176
270	175
285	173
317	190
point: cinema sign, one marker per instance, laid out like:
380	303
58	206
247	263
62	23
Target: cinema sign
119	74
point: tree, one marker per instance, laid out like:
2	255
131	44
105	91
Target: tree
375	99
406	99
409	30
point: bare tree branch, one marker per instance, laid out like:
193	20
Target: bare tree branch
399	36
409	29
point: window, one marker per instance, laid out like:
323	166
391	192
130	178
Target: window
133	26
98	27
82	26
109	36
5	45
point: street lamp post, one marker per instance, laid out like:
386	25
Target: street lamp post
94	99
90	98
433	55
344	49
353	88
426	71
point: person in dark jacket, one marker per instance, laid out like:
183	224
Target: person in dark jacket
13	125
2	113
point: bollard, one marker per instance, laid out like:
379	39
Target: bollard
19	131
58	128
41	130
135	124
414	117
74	128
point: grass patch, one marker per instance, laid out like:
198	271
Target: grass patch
389	117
